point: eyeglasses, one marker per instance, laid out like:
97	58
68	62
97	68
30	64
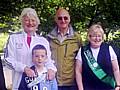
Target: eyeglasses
96	36
65	18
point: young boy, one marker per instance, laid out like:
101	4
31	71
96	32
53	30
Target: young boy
39	57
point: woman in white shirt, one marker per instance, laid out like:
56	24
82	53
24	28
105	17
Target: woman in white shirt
19	48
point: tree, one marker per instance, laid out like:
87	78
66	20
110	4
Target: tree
83	13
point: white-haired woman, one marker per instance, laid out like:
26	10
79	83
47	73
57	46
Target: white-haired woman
19	48
96	65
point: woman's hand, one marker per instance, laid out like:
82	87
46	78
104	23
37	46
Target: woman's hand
50	74
117	88
29	72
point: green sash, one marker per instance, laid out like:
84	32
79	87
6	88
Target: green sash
97	70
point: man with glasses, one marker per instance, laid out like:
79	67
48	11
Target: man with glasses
64	44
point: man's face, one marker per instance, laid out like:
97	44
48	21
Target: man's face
62	19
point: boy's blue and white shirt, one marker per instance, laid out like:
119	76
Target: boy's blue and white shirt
38	83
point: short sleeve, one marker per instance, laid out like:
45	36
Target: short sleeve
78	57
112	53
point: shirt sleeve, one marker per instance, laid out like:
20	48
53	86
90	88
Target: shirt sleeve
50	63
78	57
10	56
112	53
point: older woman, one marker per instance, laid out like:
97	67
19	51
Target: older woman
96	65
19	48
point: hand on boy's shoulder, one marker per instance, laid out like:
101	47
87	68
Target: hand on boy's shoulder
29	72
50	74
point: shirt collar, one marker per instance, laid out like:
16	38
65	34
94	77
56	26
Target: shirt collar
33	34
68	32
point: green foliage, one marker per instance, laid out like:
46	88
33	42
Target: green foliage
3	39
83	14
46	10
115	39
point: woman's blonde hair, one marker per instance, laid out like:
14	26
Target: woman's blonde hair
94	28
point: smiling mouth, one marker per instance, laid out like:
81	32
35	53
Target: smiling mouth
30	26
39	62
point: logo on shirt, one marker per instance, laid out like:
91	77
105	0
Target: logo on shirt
19	45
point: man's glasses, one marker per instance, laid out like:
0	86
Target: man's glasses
65	18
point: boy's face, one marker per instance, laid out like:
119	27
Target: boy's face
39	57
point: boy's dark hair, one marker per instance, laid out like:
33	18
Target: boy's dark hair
37	47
